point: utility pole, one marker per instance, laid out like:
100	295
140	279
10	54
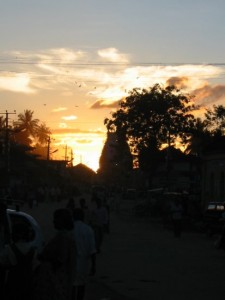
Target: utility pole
6	113
66	153
48	147
71	157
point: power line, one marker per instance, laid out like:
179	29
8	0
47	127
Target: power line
82	78
56	61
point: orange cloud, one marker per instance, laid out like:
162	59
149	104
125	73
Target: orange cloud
179	82
209	94
74	131
65	130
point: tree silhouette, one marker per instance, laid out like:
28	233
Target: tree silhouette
2	122
215	120
26	128
205	131
2	133
153	117
27	122
42	133
199	137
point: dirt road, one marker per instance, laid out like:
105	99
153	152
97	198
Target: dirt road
141	260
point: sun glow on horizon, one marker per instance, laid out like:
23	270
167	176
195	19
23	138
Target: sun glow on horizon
76	100
83	147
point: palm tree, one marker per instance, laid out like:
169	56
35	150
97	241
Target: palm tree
42	133
26	128
27	122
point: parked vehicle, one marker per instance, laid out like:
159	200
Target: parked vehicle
213	217
10	217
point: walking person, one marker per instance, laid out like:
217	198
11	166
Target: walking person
19	259
84	207
71	205
99	221
56	273
176	211
86	254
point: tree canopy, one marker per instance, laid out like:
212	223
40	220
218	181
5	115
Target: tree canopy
215	120
29	130
152	117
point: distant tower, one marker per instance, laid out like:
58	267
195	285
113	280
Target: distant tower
109	151
116	159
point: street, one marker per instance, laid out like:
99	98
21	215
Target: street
141	260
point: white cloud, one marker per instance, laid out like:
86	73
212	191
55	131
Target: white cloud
59	109
61	56
113	55
69	118
16	83
71	72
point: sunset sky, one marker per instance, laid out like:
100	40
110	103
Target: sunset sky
72	61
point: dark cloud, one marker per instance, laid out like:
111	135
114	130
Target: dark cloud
178	82
209	94
104	104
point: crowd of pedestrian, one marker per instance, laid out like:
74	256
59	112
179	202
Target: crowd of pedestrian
32	194
62	269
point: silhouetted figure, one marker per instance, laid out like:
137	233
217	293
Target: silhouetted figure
83	204
18	257
71	205
56	273
86	251
176	211
107	221
99	219
85	209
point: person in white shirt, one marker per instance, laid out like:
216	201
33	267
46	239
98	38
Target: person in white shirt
86	254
